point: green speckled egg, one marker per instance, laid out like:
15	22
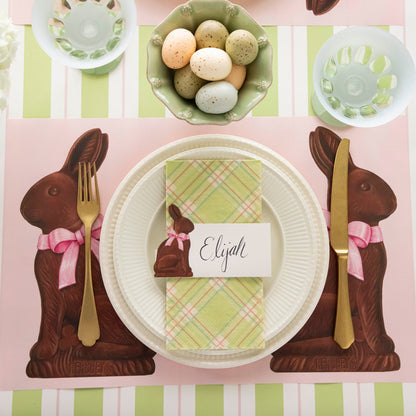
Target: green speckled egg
242	47
187	83
211	34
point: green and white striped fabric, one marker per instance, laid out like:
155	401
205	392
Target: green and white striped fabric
54	91
348	399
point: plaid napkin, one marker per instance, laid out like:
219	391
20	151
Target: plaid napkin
215	313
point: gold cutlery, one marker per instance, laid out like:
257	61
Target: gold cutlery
344	331
88	207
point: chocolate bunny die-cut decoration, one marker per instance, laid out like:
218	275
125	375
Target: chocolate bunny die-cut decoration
172	259
319	7
51	205
370	200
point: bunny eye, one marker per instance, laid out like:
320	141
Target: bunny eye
365	186
53	191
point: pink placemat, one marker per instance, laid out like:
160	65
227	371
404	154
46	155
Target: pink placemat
266	12
35	148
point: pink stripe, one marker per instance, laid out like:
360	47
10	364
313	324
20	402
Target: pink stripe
179	399
66	93
123	82
239	400
359	399
248	167
57	401
118	401
293	66
268	12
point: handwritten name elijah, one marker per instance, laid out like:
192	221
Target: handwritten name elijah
214	248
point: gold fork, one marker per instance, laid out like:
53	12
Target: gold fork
88	207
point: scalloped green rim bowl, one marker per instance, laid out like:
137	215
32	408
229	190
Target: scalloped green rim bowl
189	16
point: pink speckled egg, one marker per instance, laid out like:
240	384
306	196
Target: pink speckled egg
178	47
237	76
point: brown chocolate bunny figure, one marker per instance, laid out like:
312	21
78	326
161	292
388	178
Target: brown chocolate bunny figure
172	259
370	200
320	6
51	204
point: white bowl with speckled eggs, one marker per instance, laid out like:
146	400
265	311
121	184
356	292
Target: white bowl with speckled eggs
189	16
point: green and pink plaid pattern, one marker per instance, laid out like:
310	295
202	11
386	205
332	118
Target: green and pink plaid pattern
215	313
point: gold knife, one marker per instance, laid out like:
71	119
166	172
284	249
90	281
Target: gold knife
344	331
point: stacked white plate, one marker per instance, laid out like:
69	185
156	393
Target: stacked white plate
135	224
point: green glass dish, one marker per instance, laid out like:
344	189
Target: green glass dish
189	16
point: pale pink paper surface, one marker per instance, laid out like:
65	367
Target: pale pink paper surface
35	148
266	12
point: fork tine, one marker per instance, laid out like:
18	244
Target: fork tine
97	193
84	182
79	196
89	184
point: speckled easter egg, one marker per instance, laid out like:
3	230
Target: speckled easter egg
177	48
216	97
212	64
242	47
187	83
237	76
211	34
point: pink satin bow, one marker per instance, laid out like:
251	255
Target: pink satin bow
181	237
64	241
360	235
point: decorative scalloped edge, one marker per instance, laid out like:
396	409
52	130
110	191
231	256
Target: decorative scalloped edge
60	12
349	58
156	40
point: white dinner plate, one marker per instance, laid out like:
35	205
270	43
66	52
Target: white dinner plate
135	224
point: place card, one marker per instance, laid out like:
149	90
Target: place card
230	250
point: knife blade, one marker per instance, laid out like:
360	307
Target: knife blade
344	331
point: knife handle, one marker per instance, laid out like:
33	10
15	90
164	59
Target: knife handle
344	331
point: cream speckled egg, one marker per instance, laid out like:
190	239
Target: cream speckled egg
212	64
177	48
242	47
216	97
211	34
237	76
187	83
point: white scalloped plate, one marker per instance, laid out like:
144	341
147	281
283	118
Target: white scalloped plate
134	225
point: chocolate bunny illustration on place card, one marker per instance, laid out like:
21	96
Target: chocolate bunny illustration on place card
172	259
370	200
51	205
320	6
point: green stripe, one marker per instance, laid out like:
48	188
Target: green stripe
269	106
329	400
149	105
269	399
149	401
37	79
94	96
27	403
209	400
384	27
317	36
88	402
388	399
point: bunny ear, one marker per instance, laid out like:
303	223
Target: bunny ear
91	147
323	144
174	212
